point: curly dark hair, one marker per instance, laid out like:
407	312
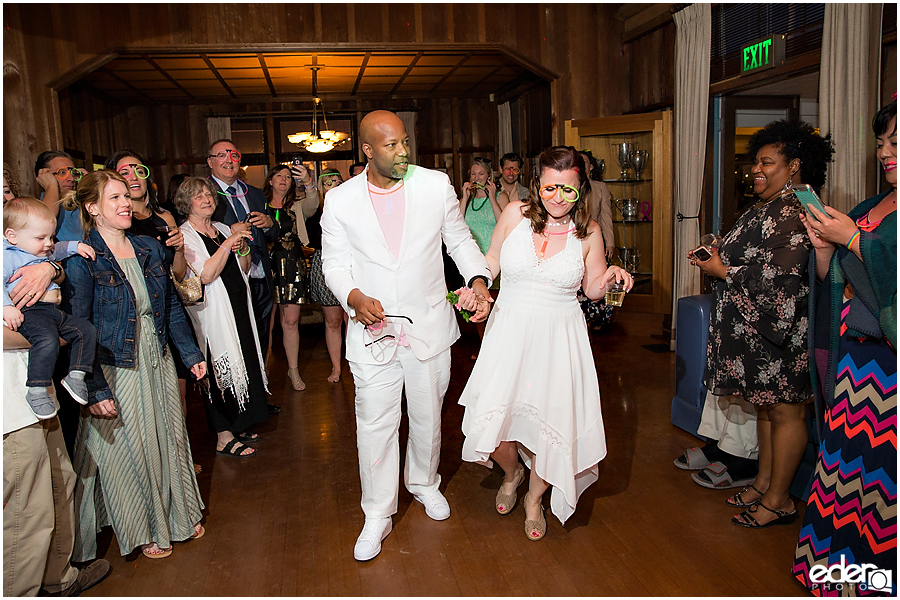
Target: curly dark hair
559	158
883	119
796	139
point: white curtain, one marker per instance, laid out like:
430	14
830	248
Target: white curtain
409	121
504	118
844	101
693	38
218	128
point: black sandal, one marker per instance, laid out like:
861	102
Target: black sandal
234	448
746	518
248	438
738	502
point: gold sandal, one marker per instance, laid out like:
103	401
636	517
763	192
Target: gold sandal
296	381
535	530
504	503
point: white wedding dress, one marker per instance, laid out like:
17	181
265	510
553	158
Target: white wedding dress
534	381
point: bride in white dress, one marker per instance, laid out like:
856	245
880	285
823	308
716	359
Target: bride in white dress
533	390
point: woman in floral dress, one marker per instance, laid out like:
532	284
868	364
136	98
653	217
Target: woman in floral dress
757	341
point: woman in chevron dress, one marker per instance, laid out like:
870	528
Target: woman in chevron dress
851	515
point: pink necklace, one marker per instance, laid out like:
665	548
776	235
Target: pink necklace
544	245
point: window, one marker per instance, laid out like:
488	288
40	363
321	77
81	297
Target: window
734	25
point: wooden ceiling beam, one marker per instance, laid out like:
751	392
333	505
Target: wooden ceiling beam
485	78
218	75
412	64
450	72
165	74
362	70
262	63
120	80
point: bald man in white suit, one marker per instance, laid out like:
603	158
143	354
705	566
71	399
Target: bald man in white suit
381	255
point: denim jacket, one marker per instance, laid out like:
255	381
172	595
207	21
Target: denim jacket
99	292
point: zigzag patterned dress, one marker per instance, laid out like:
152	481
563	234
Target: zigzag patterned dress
851	513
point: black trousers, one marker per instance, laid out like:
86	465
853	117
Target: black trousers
261	298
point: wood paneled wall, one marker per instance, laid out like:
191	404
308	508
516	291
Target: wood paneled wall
652	59
48	45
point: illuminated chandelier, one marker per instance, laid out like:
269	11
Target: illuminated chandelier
315	140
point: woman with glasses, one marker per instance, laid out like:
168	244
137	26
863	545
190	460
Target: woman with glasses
151	220
147	216
533	391
291	277
331	306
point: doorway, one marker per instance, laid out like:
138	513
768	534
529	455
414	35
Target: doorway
735	120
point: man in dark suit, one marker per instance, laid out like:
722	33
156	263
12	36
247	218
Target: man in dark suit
243	207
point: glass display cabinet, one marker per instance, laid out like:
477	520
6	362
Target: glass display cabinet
635	151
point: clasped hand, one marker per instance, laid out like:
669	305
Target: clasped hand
237	240
477	299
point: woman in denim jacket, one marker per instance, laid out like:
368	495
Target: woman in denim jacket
132	455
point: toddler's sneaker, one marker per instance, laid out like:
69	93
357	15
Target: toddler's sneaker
40	402
74	384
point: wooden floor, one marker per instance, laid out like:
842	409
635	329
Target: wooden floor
284	523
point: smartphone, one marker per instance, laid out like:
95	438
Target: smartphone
808	197
702	254
248	217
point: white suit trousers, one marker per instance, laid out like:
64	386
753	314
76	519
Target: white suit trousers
379	390
732	421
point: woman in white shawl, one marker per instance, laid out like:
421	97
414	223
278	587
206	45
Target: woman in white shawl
223	320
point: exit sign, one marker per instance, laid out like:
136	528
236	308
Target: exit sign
762	54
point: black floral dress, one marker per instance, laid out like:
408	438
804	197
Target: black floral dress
289	269
757	333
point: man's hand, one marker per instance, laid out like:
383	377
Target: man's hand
33	282
483	300
261	220
368	310
13	317
45	179
240	226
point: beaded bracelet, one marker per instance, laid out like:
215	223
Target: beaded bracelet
853	239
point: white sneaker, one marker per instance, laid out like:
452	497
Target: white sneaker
436	505
368	544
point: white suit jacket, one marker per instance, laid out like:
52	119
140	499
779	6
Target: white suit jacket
355	254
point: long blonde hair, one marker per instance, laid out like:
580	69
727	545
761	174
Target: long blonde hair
90	191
